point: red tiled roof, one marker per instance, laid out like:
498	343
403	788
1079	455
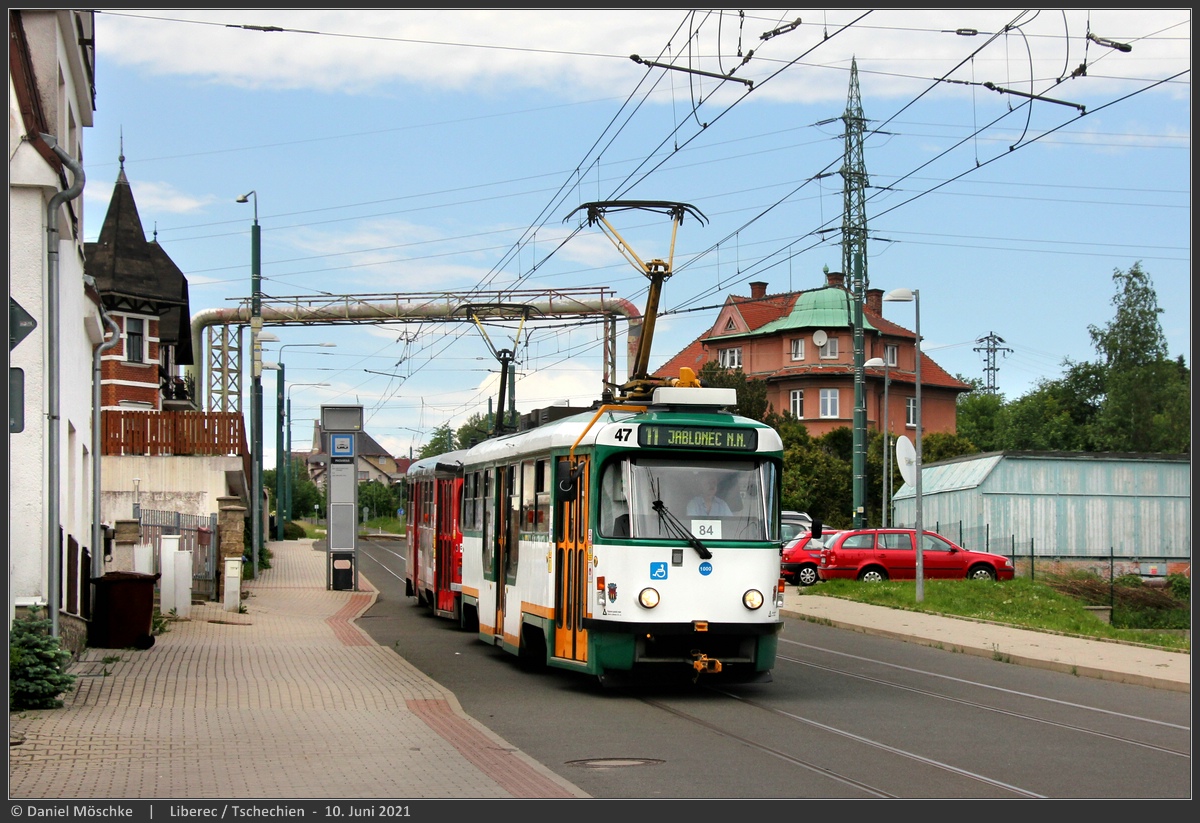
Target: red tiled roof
758	312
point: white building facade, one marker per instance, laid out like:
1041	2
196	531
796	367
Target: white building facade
51	91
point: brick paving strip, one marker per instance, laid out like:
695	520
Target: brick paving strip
287	700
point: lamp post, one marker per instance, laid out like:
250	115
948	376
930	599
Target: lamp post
256	389
278	369
876	362
288	476
914	296
279	459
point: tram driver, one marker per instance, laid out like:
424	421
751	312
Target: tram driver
707	503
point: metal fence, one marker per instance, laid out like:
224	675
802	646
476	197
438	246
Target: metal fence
1030	562
197	534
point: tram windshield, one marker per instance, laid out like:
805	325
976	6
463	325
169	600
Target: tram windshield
712	500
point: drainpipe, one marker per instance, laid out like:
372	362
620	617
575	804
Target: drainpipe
54	576
97	526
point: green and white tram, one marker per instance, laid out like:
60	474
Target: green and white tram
633	538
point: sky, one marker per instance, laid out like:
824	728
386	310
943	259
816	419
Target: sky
1015	159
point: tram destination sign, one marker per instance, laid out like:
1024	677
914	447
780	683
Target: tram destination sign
665	435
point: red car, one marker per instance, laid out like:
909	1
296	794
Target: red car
801	556
880	554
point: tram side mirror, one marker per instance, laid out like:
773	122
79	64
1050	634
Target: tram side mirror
816	529
565	485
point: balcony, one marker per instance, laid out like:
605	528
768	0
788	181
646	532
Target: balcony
127	432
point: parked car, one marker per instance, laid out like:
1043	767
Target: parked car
793	524
801	556
882	554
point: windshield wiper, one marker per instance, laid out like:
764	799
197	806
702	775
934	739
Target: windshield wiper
673	525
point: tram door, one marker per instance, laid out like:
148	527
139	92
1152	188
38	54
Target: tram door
571	574
446	552
507	525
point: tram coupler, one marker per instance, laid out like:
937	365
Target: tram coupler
703	664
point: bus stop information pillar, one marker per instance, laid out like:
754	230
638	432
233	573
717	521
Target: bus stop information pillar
341	425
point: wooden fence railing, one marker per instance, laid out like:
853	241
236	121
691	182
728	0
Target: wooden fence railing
130	432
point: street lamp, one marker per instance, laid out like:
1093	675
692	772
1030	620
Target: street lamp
279	458
914	296
278	369
256	390
876	362
288	476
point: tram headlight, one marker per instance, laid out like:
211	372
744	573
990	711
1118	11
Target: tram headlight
753	599
648	598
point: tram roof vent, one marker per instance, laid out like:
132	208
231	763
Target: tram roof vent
693	397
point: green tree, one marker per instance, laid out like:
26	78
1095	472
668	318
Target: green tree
751	393
378	499
981	416
1144	406
1043	420
442	441
937	446
306	495
475	430
816	478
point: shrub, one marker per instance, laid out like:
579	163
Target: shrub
36	663
1180	586
293	531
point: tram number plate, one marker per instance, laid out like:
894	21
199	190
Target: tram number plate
707	529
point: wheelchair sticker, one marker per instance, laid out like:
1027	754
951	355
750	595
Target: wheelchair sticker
658	571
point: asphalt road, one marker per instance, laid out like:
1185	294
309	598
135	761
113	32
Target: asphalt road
848	715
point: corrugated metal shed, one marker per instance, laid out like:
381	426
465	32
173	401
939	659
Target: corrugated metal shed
1068	503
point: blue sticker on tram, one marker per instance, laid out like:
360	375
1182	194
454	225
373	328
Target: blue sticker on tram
706	568
658	571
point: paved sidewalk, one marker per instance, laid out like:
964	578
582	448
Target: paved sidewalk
288	700
1120	662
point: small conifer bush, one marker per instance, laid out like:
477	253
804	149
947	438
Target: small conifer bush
36	663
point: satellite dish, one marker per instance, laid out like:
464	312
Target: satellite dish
820	338
906	459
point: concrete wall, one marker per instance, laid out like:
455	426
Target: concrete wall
189	485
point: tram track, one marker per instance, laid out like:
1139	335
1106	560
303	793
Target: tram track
985	707
823	770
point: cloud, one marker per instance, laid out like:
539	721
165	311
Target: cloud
579	53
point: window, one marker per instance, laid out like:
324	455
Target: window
512	540
859	541
135	340
829	403
798	348
889	356
830	350
730	358
528	499
542	496
910	412
797	405
933	543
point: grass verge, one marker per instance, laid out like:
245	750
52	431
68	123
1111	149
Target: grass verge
1029	604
